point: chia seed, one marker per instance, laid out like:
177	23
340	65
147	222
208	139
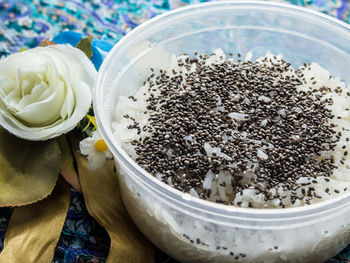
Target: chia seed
248	110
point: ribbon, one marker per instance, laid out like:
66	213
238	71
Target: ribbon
103	201
34	230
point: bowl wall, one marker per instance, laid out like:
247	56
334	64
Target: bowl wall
193	230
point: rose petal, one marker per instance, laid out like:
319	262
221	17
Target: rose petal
43	112
82	105
68	105
32	97
6	85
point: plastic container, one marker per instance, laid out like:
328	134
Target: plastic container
193	230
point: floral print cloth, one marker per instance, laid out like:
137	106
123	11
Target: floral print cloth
25	23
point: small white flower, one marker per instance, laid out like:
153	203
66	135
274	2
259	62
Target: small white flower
96	150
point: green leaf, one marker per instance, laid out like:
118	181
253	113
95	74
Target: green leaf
85	46
29	170
34	230
67	166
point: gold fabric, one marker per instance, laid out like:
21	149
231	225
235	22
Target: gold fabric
104	203
34	230
67	167
28	170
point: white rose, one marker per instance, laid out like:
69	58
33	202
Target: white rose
45	91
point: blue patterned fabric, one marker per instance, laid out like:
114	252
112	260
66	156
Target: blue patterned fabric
5	214
82	238
25	23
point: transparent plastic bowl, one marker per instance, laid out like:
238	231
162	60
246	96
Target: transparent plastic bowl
193	230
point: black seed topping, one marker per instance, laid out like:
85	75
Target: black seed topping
253	113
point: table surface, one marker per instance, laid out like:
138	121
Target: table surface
25	23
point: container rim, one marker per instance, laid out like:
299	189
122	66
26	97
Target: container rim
166	190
